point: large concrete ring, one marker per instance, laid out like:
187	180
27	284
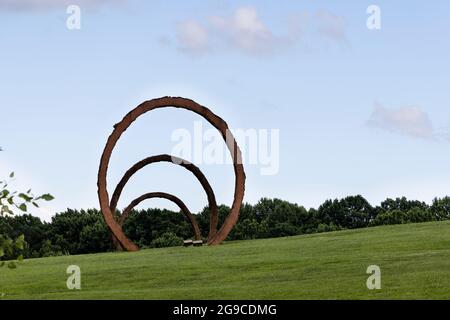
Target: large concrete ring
177	201
217	122
175	160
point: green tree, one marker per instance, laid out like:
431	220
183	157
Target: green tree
34	230
67	227
246	229
350	212
402	204
391	217
440	208
417	215
167	239
11	201
95	238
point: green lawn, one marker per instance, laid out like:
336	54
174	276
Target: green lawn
414	261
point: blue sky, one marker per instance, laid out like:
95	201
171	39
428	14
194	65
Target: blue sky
359	111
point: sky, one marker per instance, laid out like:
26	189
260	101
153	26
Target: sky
359	111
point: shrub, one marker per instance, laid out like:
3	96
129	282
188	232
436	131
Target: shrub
95	238
168	239
416	215
441	208
390	217
327	228
49	250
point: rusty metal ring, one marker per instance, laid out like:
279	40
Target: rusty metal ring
163	195
175	160
217	122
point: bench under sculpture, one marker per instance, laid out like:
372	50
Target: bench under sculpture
109	208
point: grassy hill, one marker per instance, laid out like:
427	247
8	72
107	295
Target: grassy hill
414	261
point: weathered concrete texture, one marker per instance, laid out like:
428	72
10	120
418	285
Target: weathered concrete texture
214	120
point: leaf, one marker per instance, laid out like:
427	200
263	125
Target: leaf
35	204
7	243
21	238
47	197
4	209
19	245
23	207
25	197
11	175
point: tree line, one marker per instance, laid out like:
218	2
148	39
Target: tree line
84	231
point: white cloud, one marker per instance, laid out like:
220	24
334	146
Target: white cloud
331	26
32	5
443	133
192	37
411	121
245	31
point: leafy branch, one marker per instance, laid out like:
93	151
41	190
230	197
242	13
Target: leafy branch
9	201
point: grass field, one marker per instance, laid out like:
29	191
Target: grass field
414	261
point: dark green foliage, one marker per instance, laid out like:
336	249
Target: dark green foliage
167	239
402	204
390	217
223	211
145	226
269	218
247	229
440	209
67	228
327	228
48	250
79	232
11	250
95	238
417	215
12	239
402	210
350	213
32	228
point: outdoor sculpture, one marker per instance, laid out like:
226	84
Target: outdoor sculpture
126	212
215	237
175	160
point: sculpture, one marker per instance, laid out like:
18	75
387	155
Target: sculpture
126	212
175	160
215	237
